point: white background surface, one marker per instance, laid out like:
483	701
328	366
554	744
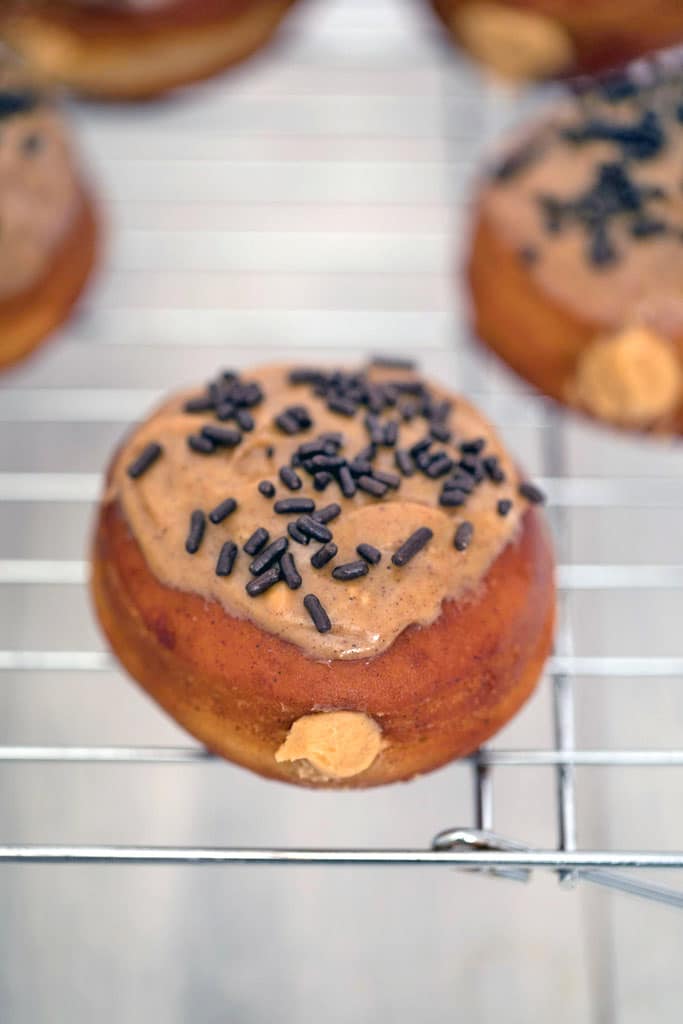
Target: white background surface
312	205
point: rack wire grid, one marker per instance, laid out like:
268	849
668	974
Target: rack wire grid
309	206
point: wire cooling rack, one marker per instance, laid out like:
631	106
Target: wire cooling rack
333	174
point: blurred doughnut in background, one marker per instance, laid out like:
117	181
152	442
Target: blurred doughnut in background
48	231
137	49
538	39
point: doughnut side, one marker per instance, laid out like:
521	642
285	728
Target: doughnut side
539	338
437	692
602	34
135	57
27	319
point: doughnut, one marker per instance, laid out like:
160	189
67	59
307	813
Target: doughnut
576	259
332	577
536	39
47	221
138	49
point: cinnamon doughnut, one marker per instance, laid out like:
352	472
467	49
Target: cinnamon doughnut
577	254
137	49
530	39
47	222
333	578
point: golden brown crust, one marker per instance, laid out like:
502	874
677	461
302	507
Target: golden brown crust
29	318
135	56
437	692
604	34
538	337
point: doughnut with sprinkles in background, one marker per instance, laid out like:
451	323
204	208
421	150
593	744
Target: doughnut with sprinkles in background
576	259
348	638
48	234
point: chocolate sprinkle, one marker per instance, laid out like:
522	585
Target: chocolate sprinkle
452	498
225	411
493	470
321	480
412	546
440	433
439	466
222	511
293	506
344	406
319	616
201	404
328	513
13	103
289	571
532	493
463	536
392	363
503	506
263	582
226	559
404	462
473	446
201	445
390	434
323	555
257	540
392	480
346	482
267	489
369	553
371	486
147	457
290	478
223	436
296	534
287	423
312	528
350	571
273	553
196	532
245	419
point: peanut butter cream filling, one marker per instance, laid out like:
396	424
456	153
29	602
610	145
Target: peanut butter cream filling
514	43
455	503
632	377
338	744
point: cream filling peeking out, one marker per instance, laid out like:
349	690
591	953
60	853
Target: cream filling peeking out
632	377
338	744
514	43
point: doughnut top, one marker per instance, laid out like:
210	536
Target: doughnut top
38	188
592	200
331	508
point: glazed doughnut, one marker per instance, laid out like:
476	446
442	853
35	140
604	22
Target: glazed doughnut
333	578
137	49
577	254
47	223
531	39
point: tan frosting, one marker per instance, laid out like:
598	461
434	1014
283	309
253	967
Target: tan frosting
338	744
38	189
367	614
644	284
632	377
516	44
